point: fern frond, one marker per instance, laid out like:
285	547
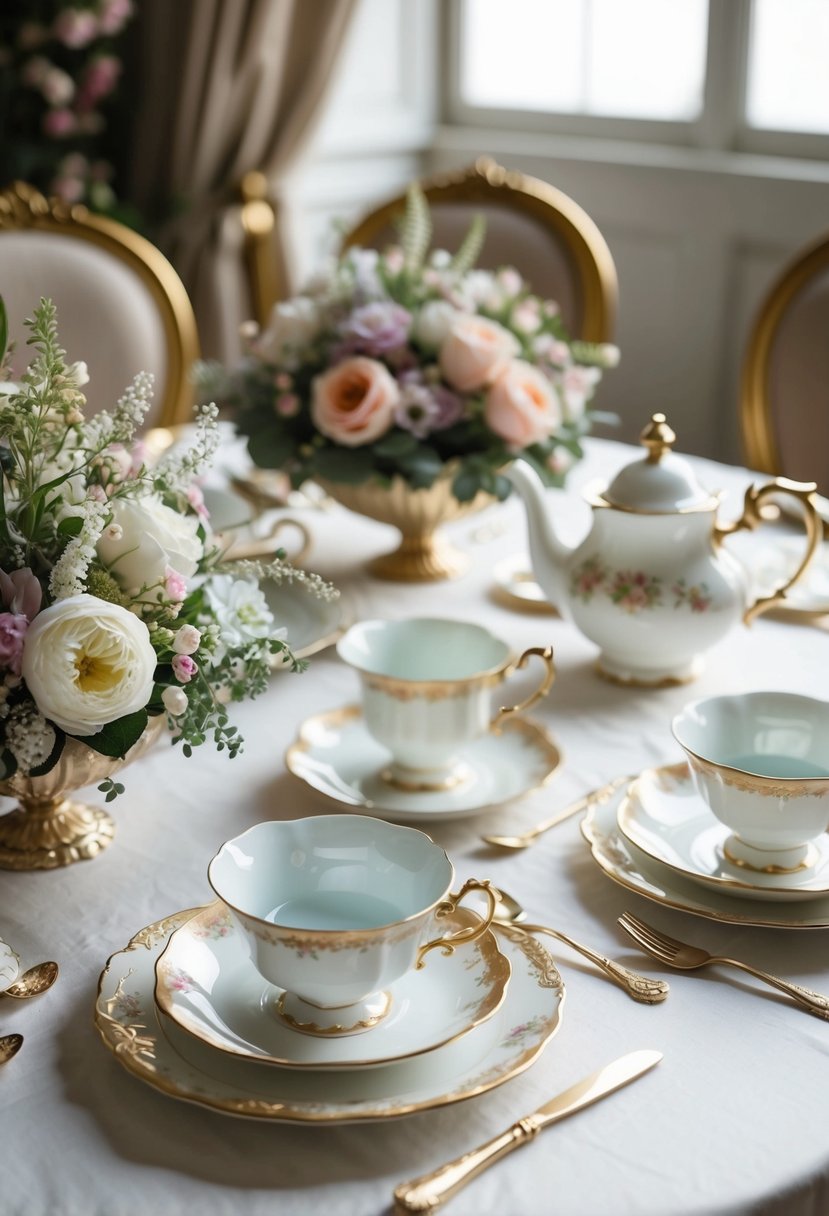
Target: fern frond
471	246
416	230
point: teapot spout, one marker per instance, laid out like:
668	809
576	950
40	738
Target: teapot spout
550	556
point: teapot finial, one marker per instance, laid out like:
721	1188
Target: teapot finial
658	438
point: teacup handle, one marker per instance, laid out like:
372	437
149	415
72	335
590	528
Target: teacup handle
805	493
545	653
448	943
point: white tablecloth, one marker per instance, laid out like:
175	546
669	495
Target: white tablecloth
733	1119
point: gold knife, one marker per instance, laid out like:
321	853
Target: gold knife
428	1192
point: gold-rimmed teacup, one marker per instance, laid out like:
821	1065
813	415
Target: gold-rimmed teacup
427	686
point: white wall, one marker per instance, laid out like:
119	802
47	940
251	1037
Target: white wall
697	236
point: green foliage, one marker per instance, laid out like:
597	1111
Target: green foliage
116	738
416	231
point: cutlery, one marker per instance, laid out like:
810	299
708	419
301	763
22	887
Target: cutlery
10	1044
640	987
32	982
428	1192
594	798
687	958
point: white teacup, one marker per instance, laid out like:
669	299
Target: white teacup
427	687
761	762
335	908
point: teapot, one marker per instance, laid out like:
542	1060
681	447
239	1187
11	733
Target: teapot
652	584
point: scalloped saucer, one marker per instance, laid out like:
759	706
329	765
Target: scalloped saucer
664	816
207	983
336	755
158	1052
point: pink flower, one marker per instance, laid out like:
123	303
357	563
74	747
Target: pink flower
21	592
68	189
13	628
354	402
75	27
196	501
374	329
578	385
57	87
287	405
187	640
175	585
58	123
522	406
114	15
184	668
475	352
98	80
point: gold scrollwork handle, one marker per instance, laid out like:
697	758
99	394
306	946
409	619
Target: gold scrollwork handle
805	493
545	653
448	943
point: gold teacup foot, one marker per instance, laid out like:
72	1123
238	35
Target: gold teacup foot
426	781
44	834
313	1019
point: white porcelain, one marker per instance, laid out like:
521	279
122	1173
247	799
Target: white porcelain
516	585
335	908
336	755
427	686
310	624
634	870
159	1052
761	762
664	816
9	965
810	596
651	584
206	982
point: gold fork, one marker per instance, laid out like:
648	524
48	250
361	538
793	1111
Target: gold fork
687	958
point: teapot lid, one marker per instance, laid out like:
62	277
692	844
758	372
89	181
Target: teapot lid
661	481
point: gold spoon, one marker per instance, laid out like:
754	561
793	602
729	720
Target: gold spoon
10	1044
32	982
594	798
640	988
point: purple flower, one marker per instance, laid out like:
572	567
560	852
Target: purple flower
375	329
13	628
425	408
20	593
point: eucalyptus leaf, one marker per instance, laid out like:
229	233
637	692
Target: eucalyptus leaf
269	449
466	485
396	443
352	466
116	738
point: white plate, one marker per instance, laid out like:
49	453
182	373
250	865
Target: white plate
515	583
336	755
9	965
633	869
153	1048
207	983
664	816
312	624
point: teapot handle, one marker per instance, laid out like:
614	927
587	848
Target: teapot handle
805	493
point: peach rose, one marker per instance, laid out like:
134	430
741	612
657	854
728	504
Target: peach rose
475	352
354	402
521	406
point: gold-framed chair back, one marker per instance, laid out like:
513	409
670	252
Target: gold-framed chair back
784	391
531	225
122	308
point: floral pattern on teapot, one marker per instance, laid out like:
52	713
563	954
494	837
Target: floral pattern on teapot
634	590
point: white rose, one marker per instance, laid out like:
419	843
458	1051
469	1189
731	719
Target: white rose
154	538
433	323
87	663
241	612
294	325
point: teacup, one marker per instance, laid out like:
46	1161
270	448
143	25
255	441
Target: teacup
761	762
427	687
335	908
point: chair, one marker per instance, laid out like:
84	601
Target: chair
121	306
530	225
784	394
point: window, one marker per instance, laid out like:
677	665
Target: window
786	87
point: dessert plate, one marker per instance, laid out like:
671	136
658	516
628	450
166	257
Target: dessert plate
336	755
206	982
664	816
9	965
156	1050
633	869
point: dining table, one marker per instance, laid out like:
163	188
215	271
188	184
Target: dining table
732	1120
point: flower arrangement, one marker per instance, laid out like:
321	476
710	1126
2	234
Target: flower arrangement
116	604
397	364
59	70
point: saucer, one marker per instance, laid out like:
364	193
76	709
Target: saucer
157	1051
810	594
636	871
207	983
9	965
516	586
336	755
311	624
664	816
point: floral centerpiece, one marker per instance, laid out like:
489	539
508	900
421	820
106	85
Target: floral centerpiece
413	368
118	612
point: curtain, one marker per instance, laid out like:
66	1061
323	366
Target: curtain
232	86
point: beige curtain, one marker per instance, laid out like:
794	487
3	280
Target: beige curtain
228	86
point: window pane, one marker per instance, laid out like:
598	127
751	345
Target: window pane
787	86
636	59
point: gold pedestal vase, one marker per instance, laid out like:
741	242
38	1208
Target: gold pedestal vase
49	829
423	555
